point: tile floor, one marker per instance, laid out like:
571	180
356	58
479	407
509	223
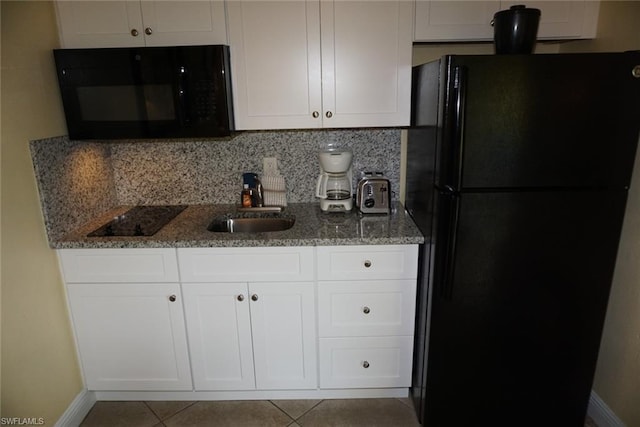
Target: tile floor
259	413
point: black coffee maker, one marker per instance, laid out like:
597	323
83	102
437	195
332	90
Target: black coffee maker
515	30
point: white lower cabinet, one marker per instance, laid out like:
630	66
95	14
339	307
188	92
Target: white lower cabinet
366	324
251	336
131	336
219	329
224	320
366	362
250	317
284	335
127	314
366	308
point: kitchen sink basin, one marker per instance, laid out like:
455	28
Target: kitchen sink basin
251	224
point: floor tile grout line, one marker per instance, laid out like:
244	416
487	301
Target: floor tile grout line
152	411
310	409
301	415
283	411
162	420
408	403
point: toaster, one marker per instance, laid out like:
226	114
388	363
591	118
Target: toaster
373	194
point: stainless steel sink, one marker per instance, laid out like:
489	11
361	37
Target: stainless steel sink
251	224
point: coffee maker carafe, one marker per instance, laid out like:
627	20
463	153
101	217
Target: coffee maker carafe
334	183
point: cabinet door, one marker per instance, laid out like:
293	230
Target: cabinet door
561	19
131	336
284	335
276	64
169	23
366	63
219	332
454	21
100	23
471	20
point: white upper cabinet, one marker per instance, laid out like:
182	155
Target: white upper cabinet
471	20
564	19
275	64
366	63
454	20
319	64
87	24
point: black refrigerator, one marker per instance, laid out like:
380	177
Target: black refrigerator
518	170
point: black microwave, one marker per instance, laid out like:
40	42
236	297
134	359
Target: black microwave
147	92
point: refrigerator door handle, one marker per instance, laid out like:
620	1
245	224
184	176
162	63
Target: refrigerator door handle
450	191
459	107
448	256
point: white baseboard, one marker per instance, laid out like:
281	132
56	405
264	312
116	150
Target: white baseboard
601	413
362	393
78	410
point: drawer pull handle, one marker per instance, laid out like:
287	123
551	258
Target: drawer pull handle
254	297
367	263
240	297
366	310
172	298
365	364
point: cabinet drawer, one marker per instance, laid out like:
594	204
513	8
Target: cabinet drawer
367	262
119	265
246	264
371	308
365	362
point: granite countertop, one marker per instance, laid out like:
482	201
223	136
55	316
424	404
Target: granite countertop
312	228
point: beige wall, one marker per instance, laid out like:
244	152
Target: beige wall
617	379
40	374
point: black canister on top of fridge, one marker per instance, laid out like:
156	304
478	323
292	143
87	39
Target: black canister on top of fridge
515	30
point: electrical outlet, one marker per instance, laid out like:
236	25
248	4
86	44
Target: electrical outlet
269	166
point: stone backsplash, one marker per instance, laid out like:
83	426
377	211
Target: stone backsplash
79	180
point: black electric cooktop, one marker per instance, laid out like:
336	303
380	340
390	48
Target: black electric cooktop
139	221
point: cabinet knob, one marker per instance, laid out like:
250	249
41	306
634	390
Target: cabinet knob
635	72
365	364
254	297
134	32
367	263
148	31
315	114
329	114
366	310
172	298
240	297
